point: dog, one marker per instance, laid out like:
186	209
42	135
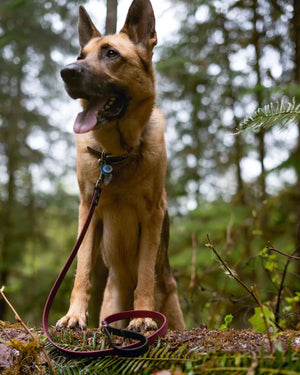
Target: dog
115	81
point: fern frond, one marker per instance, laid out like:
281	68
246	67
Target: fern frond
278	113
165	356
158	357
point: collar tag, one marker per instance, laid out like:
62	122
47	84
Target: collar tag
106	172
106	169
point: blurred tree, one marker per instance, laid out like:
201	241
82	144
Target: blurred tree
32	34
230	58
295	33
295	157
111	16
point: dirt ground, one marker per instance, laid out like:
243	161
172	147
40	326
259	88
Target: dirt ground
201	340
204	340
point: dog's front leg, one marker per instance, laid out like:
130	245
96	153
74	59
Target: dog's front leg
77	314
144	292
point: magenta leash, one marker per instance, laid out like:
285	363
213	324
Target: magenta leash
130	350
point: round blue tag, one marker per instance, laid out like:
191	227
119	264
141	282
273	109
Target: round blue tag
106	169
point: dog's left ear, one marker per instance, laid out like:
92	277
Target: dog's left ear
140	24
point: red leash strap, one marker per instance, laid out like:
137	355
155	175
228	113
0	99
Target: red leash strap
131	350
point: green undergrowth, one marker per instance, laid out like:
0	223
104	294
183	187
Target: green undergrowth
175	359
182	361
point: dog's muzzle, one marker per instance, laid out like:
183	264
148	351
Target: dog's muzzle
104	101
75	78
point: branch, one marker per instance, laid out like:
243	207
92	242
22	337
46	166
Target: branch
277	309
286	255
6	335
231	273
270	115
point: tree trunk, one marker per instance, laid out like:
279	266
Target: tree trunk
9	248
111	16
238	141
296	24
296	37
259	99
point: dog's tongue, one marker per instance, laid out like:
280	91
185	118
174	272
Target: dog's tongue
87	119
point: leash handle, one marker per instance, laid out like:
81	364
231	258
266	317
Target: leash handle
123	350
131	350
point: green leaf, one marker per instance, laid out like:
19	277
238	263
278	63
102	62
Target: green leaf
262	321
227	320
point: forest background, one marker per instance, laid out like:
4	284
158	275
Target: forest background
219	62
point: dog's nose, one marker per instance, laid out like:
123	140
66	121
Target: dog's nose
71	72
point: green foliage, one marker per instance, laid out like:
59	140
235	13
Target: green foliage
158	357
279	113
263	320
214	74
236	232
180	360
292	302
227	320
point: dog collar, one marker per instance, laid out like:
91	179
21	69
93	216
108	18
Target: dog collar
109	158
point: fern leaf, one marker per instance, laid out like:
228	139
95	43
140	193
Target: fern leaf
278	113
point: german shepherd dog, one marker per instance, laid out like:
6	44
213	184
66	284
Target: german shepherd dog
114	78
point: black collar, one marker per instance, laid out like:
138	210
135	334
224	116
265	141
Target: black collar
109	158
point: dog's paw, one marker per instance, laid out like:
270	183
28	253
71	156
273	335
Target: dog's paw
72	321
142	325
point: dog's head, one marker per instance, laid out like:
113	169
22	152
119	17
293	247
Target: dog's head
114	70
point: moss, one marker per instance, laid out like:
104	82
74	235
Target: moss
26	358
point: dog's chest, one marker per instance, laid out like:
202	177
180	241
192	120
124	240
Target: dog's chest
121	232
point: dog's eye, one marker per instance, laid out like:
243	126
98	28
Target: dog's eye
111	54
80	57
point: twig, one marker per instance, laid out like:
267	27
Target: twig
264	318
231	273
18	318
194	253
6	334
286	255
277	309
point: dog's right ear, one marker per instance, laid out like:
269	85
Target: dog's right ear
140	24
86	28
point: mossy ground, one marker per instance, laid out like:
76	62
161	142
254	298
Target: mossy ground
195	351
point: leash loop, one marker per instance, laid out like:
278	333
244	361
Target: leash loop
126	351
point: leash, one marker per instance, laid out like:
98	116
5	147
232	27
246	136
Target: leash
143	342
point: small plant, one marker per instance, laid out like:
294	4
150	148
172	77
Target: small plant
227	320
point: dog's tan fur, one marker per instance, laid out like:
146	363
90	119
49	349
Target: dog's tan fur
130	224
